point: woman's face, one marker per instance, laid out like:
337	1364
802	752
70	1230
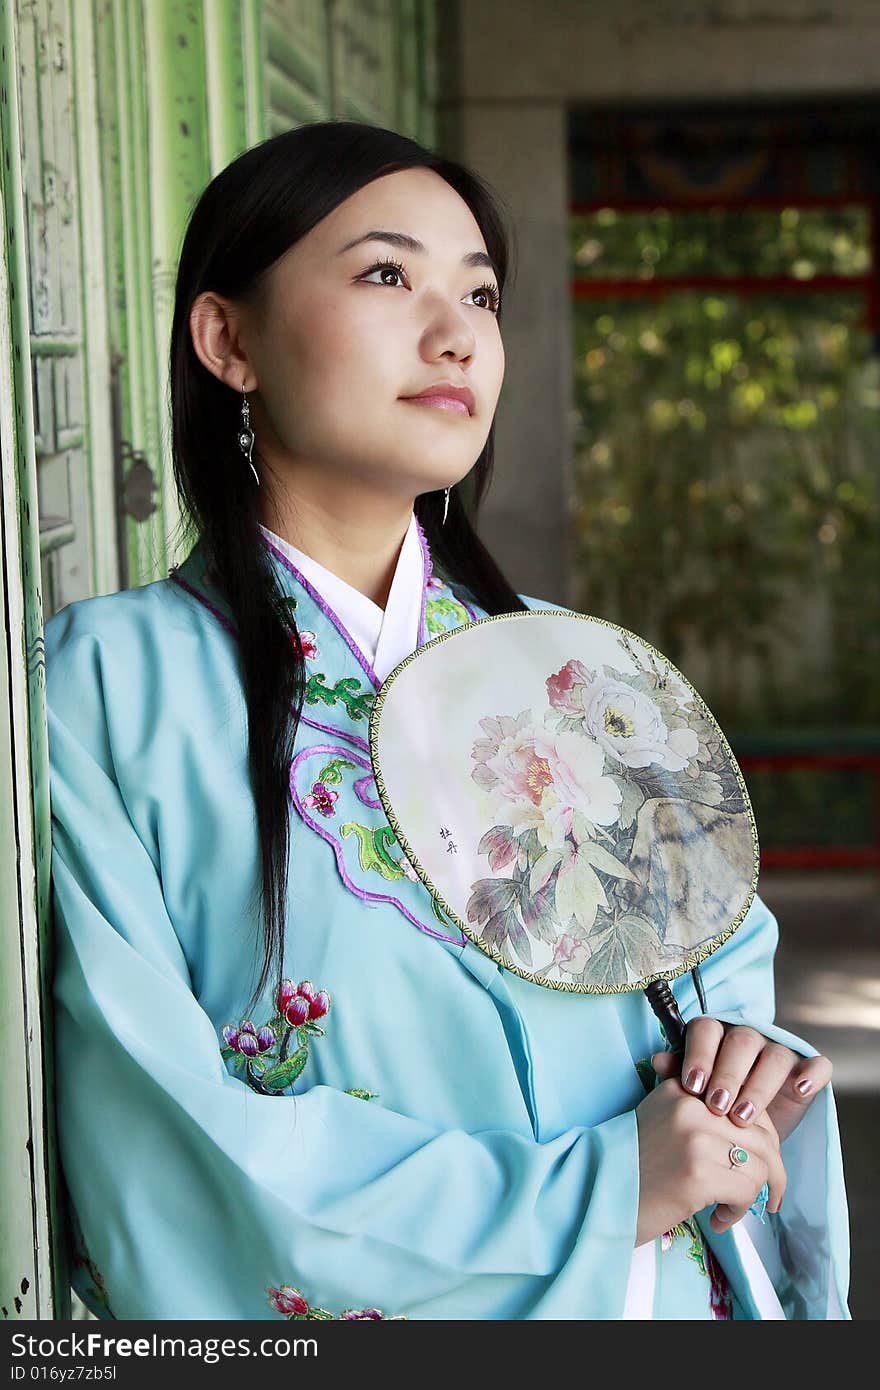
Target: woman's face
336	344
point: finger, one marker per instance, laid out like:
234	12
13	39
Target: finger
736	1056
762	1145
766	1079
764	1164
666	1064
777	1178
702	1039
808	1077
788	1108
724	1216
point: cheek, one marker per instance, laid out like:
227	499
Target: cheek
352	347
323	371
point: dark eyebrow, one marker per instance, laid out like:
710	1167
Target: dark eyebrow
409	243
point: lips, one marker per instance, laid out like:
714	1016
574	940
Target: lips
455	396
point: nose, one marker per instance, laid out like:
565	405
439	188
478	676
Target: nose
447	332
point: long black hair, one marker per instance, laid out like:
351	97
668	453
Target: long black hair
246	218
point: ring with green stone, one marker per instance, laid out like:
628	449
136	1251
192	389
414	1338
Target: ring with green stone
738	1157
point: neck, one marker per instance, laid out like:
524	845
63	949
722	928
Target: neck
359	544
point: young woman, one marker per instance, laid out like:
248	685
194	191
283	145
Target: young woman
287	1088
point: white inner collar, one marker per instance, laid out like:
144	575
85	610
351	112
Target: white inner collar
385	637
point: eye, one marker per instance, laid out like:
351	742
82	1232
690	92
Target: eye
394	267
492	295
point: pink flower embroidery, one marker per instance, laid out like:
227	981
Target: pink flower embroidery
288	1301
300	1003
309	644
719	1289
321	798
275	1056
246	1040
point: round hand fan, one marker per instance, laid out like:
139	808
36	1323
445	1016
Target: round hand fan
569	801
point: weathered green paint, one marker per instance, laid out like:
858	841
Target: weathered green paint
226	91
124	157
179	169
33	1272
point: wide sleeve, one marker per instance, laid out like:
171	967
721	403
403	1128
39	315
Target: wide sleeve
196	1197
804	1247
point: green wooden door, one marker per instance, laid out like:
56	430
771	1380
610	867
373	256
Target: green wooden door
114	114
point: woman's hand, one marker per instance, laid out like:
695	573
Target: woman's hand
742	1074
684	1163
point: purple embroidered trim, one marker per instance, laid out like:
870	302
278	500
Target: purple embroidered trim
343	733
471	612
426	552
360	787
329	748
221	617
361	893
426	556
325	609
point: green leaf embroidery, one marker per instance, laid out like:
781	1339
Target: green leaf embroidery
372	853
437	609
285	1073
347	691
331	774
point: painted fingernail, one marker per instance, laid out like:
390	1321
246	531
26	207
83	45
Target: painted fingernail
695	1079
745	1110
720	1098
805	1086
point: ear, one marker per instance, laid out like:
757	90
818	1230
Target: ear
215	325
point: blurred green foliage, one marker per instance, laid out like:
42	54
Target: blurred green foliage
727	452
802	242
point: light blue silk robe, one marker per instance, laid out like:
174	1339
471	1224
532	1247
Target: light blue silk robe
456	1142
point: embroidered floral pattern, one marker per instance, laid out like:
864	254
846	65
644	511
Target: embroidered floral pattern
646	1073
321	798
270	1065
375	842
309	643
720	1297
439	611
290	1303
347	692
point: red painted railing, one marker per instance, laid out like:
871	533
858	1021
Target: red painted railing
819	856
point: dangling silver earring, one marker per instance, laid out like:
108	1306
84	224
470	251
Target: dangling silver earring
445	508
246	434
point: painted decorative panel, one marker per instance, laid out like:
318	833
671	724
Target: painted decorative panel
50	203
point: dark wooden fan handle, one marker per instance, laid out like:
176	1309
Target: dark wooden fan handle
662	1001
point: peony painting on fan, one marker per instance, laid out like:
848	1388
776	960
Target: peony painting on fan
589	829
